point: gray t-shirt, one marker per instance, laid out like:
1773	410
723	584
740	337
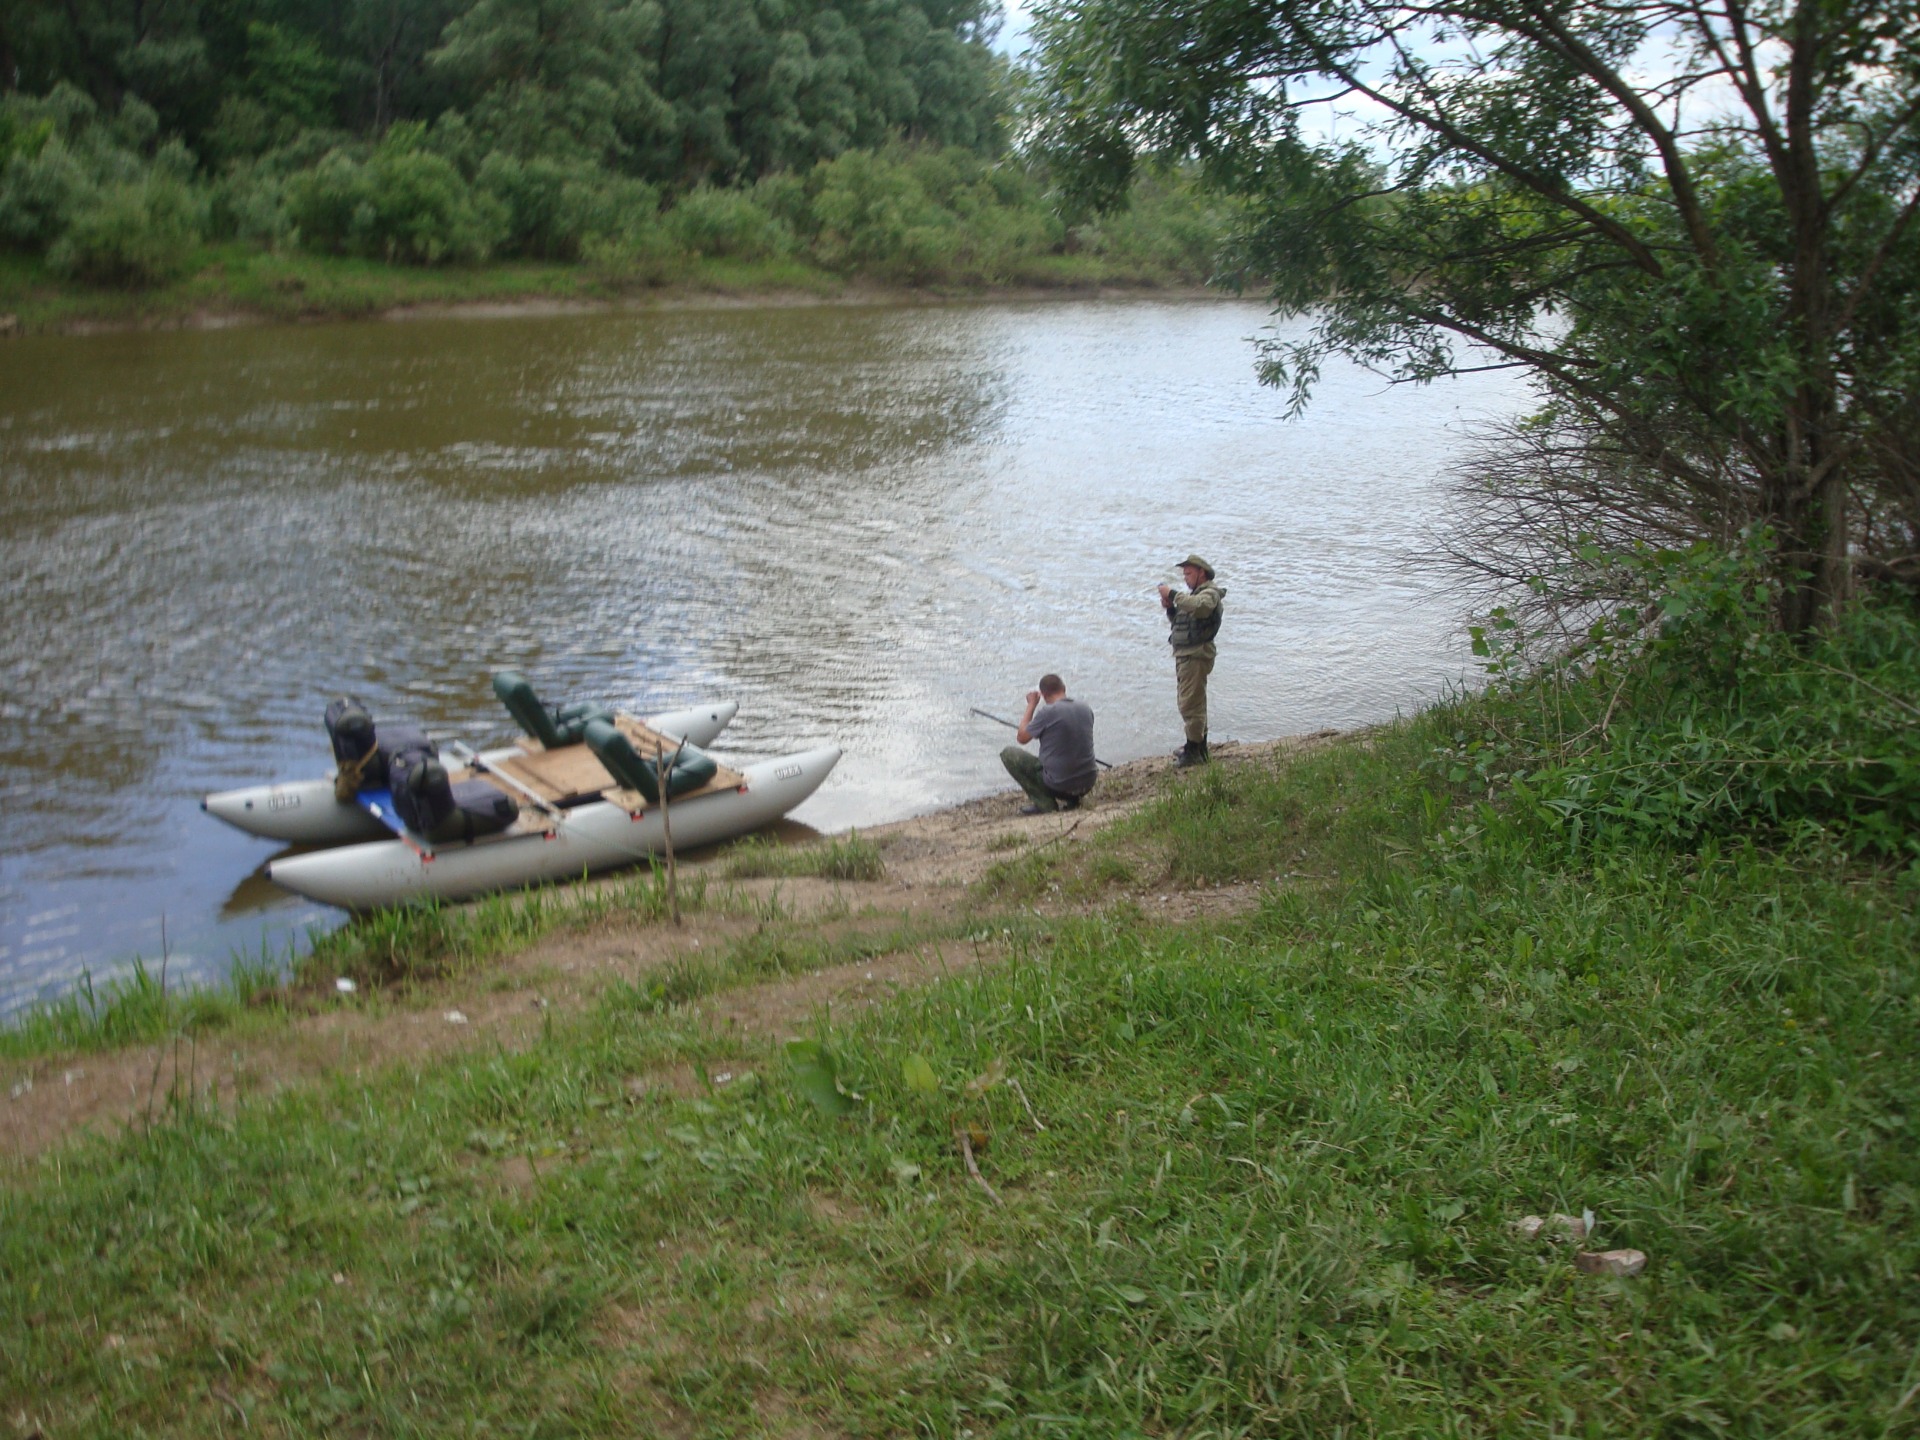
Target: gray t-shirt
1064	730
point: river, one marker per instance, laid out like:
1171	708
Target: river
857	521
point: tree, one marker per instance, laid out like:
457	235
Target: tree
1691	221
388	41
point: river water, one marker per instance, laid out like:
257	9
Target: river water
856	521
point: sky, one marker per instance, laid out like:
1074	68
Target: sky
1658	61
1016	40
1013	38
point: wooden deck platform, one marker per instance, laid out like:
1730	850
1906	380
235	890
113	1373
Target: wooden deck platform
573	774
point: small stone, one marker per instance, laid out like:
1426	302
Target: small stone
345	986
9	324
454	1017
1610	1262
1554	1227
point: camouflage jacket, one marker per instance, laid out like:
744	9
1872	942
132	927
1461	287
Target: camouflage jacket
1199	606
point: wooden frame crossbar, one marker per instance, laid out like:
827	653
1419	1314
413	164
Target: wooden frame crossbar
572	774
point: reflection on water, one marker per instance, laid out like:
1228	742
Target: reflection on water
255	894
857	522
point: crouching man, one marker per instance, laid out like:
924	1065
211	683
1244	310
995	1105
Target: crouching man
1064	770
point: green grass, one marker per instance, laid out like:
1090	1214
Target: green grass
291	285
281	286
431	941
843	858
387	949
771	952
139	1008
1273	1194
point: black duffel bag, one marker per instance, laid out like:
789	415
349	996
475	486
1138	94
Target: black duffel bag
421	795
437	810
360	762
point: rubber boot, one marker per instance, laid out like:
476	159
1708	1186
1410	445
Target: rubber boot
1194	752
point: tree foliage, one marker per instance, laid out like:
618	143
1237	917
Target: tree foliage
674	92
1692	223
639	136
432	131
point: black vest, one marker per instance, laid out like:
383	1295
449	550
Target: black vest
1190	629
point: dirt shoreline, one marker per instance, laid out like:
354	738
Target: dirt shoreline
202	316
932	862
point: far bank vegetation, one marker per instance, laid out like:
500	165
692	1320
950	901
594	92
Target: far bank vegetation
639	142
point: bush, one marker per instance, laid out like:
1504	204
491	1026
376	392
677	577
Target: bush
321	202
243	129
783	195
927	214
530	192
76	186
726	224
250	203
40	193
132	234
1168	228
864	205
555	208
1692	717
404	204
602	207
416	207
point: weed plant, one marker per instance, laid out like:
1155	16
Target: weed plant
843	858
1689	716
140	1007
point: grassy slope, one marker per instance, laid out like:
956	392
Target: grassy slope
389	949
243	280
1273	1194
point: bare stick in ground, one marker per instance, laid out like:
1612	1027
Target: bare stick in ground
662	777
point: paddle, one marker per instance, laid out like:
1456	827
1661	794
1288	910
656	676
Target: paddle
988	715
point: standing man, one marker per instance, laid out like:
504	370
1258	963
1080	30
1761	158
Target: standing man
1195	620
1063	771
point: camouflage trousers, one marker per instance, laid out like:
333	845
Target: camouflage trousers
1190	675
1024	767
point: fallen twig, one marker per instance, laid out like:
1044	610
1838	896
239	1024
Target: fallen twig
224	1398
1014	1085
966	1153
1061	836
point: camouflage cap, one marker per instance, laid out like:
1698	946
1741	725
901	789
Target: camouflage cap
1198	564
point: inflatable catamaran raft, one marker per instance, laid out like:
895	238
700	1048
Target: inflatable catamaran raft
581	793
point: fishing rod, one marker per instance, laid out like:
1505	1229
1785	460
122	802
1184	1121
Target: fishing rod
989	715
